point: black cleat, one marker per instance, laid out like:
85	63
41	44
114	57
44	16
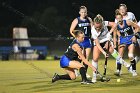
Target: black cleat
86	82
55	77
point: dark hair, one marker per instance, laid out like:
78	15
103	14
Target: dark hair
98	19
123	5
77	32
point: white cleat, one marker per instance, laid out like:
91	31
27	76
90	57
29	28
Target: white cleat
134	73
93	80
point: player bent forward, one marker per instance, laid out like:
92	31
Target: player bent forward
69	63
101	37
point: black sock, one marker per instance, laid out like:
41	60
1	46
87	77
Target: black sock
64	77
133	63
83	73
119	66
86	67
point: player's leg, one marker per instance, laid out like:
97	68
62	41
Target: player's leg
137	49
87	49
131	49
118	57
64	63
96	54
87	53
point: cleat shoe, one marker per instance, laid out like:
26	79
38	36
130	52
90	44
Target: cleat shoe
117	73
93	80
134	73
55	77
86	82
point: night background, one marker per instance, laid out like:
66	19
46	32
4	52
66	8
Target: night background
51	18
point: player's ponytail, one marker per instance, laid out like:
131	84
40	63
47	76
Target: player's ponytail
98	19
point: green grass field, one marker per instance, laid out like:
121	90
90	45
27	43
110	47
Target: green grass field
22	77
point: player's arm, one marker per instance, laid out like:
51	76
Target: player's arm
112	25
91	22
77	48
130	23
99	47
73	26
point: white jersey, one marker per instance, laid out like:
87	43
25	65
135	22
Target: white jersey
102	35
130	16
138	39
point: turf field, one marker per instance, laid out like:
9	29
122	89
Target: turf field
35	77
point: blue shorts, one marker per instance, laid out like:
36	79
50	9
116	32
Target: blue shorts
126	40
87	43
64	61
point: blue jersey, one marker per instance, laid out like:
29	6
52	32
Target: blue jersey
70	53
125	30
84	25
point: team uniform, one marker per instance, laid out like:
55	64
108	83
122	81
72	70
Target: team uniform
70	54
126	33
84	25
138	39
130	16
102	35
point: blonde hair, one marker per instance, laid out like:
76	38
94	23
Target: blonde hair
83	7
124	5
98	19
117	12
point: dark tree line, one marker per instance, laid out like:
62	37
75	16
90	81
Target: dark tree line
52	18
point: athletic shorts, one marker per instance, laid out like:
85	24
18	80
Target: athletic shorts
126	40
64	61
87	43
102	44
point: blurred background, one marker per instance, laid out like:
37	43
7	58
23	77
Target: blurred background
47	22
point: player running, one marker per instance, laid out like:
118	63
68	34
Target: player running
69	63
127	38
101	37
84	24
127	16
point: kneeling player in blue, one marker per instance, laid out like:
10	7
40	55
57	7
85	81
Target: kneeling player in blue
69	61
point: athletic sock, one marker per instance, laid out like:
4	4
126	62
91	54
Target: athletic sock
119	62
86	67
83	74
119	66
64	77
133	63
95	64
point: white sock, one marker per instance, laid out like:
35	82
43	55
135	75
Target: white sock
95	64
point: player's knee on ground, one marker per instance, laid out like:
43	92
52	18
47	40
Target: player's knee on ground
72	76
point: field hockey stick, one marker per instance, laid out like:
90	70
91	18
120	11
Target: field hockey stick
105	66
102	77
